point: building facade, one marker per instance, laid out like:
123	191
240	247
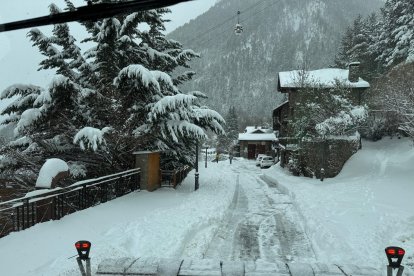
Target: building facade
257	140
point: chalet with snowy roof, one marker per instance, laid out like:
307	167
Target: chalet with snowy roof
291	83
256	140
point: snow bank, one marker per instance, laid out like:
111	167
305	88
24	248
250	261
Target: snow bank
50	169
366	208
147	224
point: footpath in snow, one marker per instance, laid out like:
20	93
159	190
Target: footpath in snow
353	217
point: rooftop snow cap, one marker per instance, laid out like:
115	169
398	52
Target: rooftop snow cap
353	75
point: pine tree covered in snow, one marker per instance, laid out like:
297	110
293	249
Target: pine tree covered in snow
121	95
396	42
387	44
355	45
229	139
380	41
322	111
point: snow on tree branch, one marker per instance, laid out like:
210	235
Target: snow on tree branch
140	74
28	117
43	98
170	103
91	138
183	127
19	90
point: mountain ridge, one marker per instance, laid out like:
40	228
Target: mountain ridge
278	35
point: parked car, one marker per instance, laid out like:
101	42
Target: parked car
259	158
266	162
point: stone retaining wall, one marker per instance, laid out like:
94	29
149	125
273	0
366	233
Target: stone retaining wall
330	154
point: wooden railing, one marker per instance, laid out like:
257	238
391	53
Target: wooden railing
44	205
172	178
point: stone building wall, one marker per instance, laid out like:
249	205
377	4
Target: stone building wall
330	155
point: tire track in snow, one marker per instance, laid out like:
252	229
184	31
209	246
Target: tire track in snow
261	223
293	240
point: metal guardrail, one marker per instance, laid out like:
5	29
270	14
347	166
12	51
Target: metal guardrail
172	178
19	214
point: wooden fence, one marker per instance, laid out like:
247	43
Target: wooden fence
172	178
44	205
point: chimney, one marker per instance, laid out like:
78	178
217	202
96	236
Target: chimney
353	75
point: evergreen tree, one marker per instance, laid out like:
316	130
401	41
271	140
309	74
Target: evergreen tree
355	46
342	58
122	95
232	126
229	139
395	44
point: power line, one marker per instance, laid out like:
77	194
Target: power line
203	41
204	33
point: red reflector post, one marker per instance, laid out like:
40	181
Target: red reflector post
394	255
391	251
83	248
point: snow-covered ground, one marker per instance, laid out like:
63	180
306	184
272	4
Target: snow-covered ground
241	212
139	224
370	205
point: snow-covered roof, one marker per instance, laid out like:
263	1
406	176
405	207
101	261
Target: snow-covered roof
257	137
324	77
258	129
280	105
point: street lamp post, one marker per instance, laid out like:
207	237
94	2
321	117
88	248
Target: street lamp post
206	156
196	169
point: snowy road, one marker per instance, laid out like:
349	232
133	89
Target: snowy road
238	214
261	223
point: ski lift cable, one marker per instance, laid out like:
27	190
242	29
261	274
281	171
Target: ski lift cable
227	20
203	41
260	11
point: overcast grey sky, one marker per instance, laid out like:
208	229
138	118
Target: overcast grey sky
19	60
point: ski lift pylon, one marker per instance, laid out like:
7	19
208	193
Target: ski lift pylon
238	29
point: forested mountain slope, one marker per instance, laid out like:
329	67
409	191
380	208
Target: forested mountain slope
278	35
